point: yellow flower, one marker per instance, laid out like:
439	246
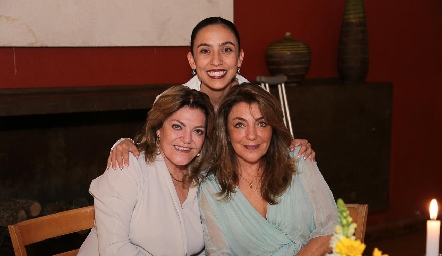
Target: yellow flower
376	252
343	241
349	247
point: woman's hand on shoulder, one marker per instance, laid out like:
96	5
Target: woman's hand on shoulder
120	154
306	148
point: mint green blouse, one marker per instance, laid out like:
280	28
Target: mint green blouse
305	210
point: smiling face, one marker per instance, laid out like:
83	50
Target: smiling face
249	133
216	57
182	136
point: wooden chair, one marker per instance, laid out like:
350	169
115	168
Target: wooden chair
50	226
359	212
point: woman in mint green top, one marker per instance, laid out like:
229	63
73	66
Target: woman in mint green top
259	198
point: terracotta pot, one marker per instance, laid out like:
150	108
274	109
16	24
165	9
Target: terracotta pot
288	57
353	55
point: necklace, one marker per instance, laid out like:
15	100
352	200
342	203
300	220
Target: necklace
175	178
249	183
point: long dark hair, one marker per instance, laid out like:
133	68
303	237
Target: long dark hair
167	103
213	21
278	167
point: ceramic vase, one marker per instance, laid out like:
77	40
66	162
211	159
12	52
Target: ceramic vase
288	57
353	57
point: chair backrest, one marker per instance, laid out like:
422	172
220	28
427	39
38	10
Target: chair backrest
359	212
50	226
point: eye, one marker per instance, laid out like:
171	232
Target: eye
262	124
204	51
238	125
227	49
199	131
176	126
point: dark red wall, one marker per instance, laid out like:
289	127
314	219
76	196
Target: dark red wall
405	48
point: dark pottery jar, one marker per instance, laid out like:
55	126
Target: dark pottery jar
290	58
353	58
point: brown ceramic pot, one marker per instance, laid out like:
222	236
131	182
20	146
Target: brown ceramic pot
288	57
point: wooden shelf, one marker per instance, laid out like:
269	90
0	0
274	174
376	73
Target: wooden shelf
17	102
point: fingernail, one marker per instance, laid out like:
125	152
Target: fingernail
113	168
126	165
305	157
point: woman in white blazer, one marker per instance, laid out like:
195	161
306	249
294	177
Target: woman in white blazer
151	206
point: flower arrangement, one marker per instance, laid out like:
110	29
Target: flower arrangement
343	241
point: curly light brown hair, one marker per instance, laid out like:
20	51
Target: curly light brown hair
170	101
278	167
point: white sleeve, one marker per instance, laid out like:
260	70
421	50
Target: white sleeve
115	196
119	141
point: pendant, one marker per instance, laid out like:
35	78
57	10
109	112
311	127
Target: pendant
250	185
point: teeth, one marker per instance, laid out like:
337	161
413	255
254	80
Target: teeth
182	148
217	73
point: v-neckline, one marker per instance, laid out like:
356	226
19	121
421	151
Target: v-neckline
239	191
171	185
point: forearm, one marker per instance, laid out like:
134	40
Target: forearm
318	246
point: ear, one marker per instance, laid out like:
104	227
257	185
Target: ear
241	57
191	60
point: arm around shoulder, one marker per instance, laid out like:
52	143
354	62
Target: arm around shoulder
120	153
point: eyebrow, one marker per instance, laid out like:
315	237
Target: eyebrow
222	44
178	121
243	119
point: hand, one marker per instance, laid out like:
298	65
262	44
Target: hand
120	154
306	148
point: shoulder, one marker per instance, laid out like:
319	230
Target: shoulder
241	79
304	166
115	178
193	83
210	184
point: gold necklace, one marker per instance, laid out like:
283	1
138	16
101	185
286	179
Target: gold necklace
175	178
249	183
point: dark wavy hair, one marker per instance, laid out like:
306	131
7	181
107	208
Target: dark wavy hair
170	101
278	167
213	21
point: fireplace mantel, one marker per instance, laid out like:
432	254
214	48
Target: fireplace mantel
18	102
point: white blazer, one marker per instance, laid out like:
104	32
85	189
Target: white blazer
138	212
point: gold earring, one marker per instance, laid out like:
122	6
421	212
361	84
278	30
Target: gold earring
158	145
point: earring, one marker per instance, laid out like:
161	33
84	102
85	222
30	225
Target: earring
199	153
193	72
158	145
238	70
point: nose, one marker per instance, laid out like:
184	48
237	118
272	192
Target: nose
186	137
217	59
251	133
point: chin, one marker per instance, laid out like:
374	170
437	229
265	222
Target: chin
182	162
